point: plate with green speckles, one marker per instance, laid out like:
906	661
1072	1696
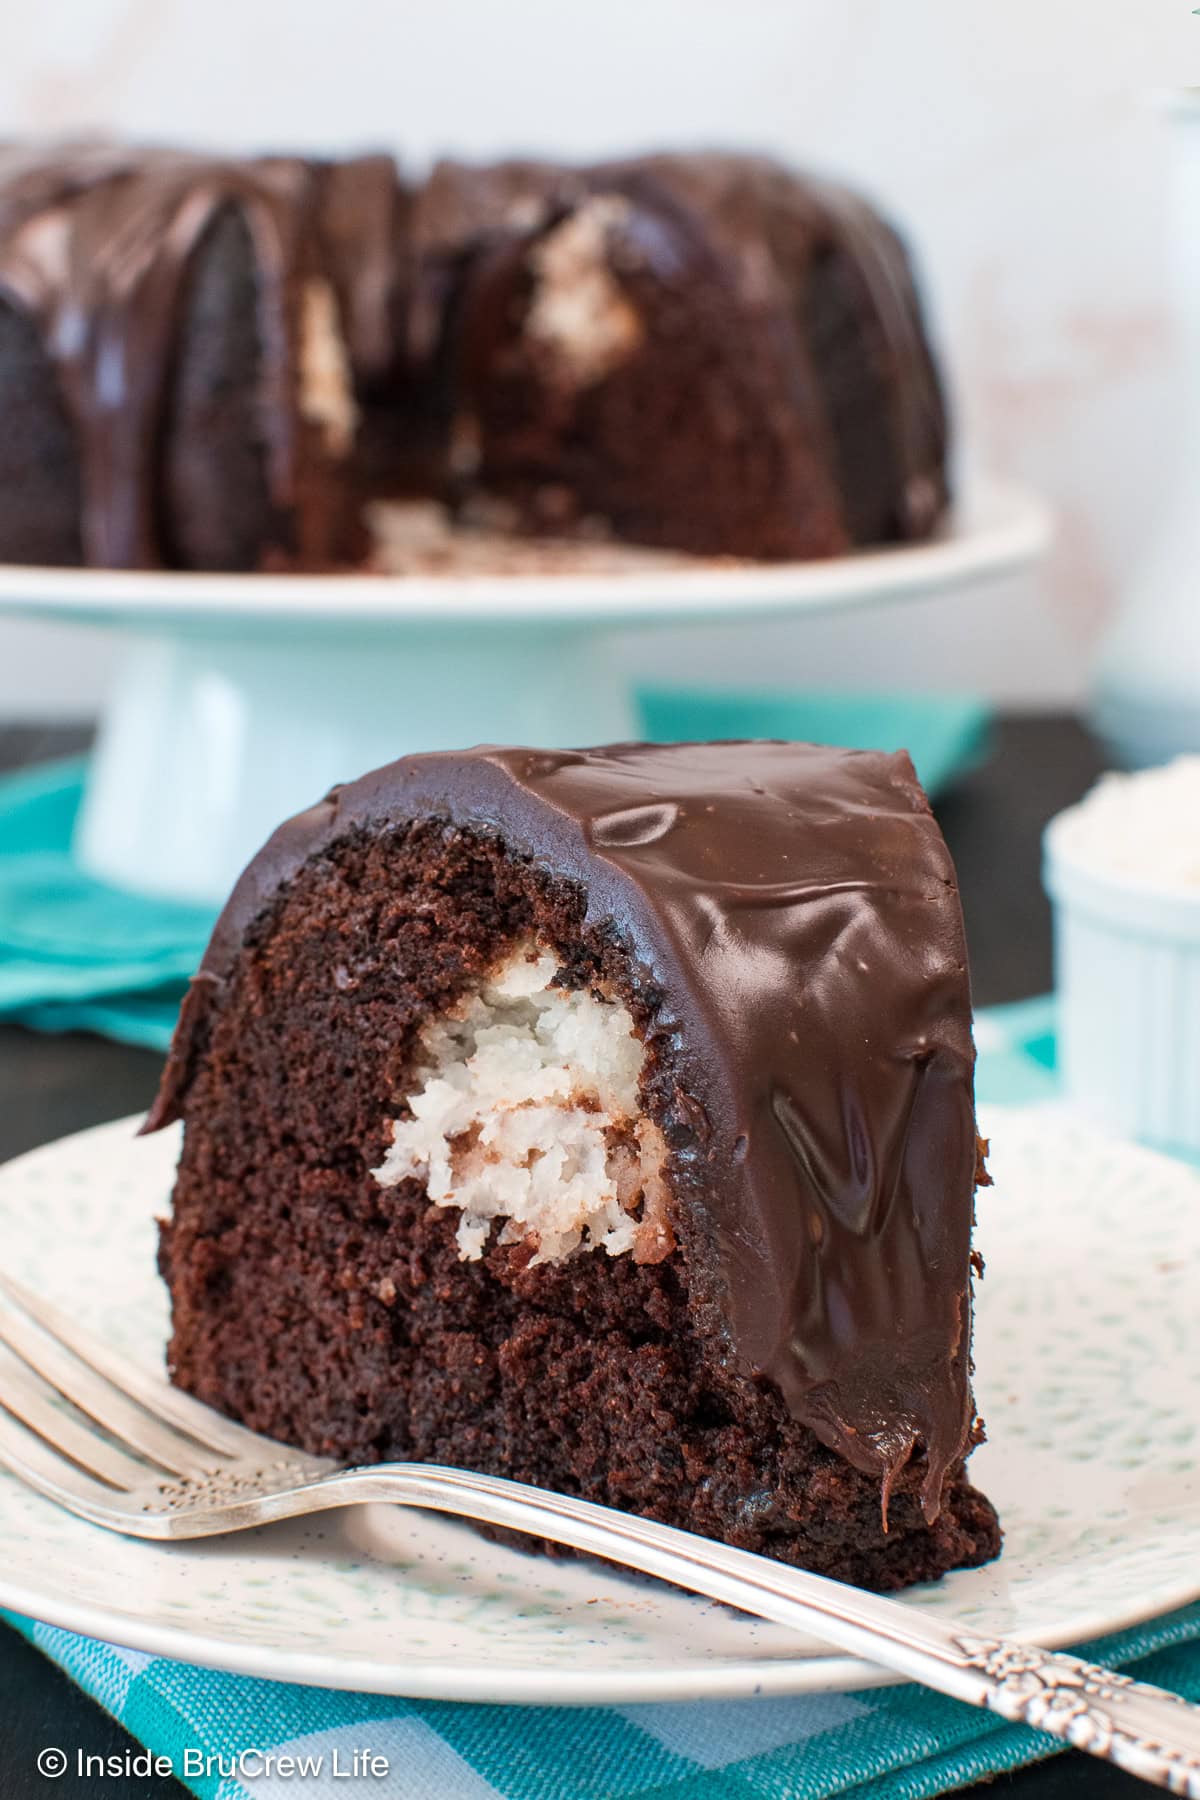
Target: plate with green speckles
1088	1354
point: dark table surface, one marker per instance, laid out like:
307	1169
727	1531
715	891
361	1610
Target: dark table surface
53	1085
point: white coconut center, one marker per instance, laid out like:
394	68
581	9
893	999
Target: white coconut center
530	1114
579	312
326	384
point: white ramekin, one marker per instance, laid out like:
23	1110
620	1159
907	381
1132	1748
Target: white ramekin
1127	974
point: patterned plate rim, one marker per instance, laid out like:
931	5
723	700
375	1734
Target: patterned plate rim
735	1678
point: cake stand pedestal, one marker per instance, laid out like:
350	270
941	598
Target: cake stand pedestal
209	741
243	698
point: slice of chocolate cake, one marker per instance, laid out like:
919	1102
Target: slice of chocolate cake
601	1119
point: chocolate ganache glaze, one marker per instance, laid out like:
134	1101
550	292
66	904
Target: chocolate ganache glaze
95	245
796	908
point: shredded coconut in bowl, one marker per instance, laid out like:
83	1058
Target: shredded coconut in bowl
1143	827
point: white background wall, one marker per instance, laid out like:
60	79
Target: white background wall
1016	141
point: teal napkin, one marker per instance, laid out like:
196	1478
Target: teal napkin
76	955
899	1743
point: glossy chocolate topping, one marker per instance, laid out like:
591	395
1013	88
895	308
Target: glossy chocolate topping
796	907
362	213
95	244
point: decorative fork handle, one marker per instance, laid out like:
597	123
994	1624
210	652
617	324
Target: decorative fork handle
1143	1729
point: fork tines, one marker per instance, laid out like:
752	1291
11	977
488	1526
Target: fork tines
65	1395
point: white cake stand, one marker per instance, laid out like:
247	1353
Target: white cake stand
243	697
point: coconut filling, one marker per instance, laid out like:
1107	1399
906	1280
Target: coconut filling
326	383
579	313
529	1115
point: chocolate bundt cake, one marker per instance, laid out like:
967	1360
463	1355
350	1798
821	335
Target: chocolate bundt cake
212	363
601	1119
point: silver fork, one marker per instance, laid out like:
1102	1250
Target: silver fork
126	1451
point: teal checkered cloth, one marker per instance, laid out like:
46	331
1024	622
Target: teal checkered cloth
897	1743
67	955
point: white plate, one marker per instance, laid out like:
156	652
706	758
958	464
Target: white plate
1089	1376
995	530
